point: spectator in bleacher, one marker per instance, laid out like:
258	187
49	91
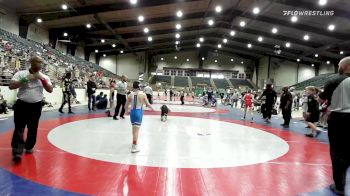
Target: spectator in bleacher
149	93
3	104
270	100
122	87
66	91
286	106
91	90
337	93
27	110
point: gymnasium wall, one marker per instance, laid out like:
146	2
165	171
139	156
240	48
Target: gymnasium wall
326	68
180	62
109	63
61	47
92	58
80	52
9	20
38	33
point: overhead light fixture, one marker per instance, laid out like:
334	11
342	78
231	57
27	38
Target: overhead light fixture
232	33
294	19
242	23
65	34
256	10
96	51
39	20
179	14
341	52
162	59
211	22
218	9
149	38
188	60
316	55
178	26
198	45
260	39
177	35
201	39
140	18
328	62
113	45
224	40
331	27
104	55
312	65
146	30
231	60
175	57
121	52
287	44
242	62
64	7
216	61
133	2
306	37
219	45
249	45
102	41
274	30
298	60
177	42
203	58
88	25
322	2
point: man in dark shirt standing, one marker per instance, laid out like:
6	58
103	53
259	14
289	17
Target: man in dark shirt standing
271	97
91	89
286	106
337	93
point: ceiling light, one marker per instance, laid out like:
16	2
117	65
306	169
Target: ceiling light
121	52
88	25
242	62
224	40
242	23
211	22
294	19
102	41
113	45
64	7
96	51
203	58
341	52
287	44
312	65
161	59
198	45
231	60
322	2
274	30
104	55
218	9
179	13
249	45
149	38
133	2
260	39
175	57
140	18
177	35
306	37
256	10
328	62
65	34
216	61
316	55
298	60
177	42
39	20
188	60
146	30
232	33
178	26
219	45
331	27
201	39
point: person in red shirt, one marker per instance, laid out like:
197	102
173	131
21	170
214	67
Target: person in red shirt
248	104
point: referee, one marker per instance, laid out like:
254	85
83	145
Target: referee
27	110
337	92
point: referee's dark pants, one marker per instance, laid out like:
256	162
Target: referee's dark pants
25	115
66	99
339	141
121	100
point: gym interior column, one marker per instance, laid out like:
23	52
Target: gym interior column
268	68
53	38
317	69
87	53
335	64
23	27
257	72
73	49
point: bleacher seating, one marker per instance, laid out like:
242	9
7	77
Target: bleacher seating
161	79
241	82
200	81
317	81
181	81
221	83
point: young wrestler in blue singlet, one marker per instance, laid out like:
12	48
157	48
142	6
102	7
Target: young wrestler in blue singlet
136	99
